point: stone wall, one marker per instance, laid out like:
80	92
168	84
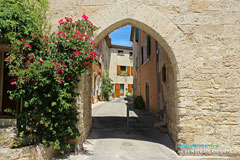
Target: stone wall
201	38
83	105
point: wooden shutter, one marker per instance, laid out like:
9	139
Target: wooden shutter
129	88
142	54
118	70
131	70
117	90
136	34
148	46
128	70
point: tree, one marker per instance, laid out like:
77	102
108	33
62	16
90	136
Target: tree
106	86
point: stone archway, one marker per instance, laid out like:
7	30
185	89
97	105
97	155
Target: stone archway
157	25
200	39
168	35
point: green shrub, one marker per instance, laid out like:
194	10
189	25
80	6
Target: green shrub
139	103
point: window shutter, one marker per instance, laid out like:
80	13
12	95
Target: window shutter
142	54
148	46
117	90
130	88
131	70
128	70
136	34
118	70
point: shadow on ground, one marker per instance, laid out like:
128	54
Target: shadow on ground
141	127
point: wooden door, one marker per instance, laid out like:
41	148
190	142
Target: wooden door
129	88
6	102
117	90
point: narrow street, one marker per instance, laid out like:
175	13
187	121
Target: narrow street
109	141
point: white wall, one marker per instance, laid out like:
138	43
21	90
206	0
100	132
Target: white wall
122	60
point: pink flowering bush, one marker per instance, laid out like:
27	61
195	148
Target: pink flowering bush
46	70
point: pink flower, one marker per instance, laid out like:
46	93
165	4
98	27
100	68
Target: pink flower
58	64
13	83
85	63
22	40
80	38
60	81
85	36
36	80
44	122
78	33
86	51
61	34
40	60
8	60
85	17
26	66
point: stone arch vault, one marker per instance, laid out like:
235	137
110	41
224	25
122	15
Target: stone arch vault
169	36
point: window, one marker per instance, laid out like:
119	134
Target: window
123	68
136	34
130	54
164	74
148	46
120	52
121	89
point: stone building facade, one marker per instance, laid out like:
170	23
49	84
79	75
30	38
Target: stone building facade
201	40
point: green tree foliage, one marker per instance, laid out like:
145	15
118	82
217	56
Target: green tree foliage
21	18
106	86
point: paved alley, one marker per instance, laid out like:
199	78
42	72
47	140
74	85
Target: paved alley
109	141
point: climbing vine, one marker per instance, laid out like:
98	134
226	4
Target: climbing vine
46	70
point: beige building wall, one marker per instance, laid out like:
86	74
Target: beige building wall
201	39
121	60
105	58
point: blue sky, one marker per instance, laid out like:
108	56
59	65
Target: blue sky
121	36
